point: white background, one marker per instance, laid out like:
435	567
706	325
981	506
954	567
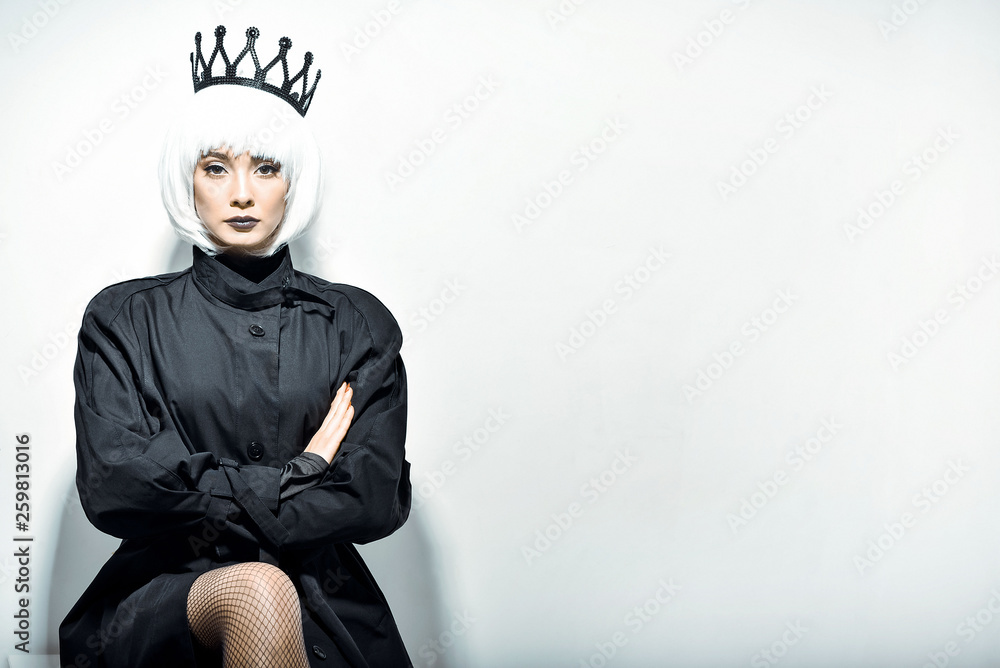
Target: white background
894	78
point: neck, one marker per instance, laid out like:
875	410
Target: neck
250	267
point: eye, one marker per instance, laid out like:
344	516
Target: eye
268	168
215	169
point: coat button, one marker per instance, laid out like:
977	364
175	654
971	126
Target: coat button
255	451
318	651
256	330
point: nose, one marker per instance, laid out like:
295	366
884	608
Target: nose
242	195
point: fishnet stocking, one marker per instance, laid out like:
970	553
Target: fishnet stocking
251	610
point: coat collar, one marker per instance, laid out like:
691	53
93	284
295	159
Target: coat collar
284	285
216	279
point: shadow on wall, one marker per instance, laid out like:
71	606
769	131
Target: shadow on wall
404	564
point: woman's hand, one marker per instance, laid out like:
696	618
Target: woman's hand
326	441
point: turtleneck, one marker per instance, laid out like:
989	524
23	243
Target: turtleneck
247	284
251	284
254	269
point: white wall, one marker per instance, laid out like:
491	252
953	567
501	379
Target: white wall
880	97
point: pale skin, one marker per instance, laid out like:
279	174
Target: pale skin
241	201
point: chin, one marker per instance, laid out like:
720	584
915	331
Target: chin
254	237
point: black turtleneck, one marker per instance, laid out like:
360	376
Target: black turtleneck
253	268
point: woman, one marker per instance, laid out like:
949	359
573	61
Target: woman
239	424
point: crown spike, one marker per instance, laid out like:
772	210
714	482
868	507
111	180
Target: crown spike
303	73
220	33
307	99
197	59
283	44
251	47
300	102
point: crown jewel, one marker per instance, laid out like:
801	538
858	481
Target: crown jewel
202	73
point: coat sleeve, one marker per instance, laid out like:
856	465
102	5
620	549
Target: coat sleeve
125	487
365	494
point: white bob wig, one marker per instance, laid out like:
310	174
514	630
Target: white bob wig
242	119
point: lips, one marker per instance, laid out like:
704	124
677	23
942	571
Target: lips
242	222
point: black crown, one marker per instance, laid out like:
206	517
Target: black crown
205	79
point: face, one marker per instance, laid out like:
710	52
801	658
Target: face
240	199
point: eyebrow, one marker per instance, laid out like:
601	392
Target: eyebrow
222	156
216	155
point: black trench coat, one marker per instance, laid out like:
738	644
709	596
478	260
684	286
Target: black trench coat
193	389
